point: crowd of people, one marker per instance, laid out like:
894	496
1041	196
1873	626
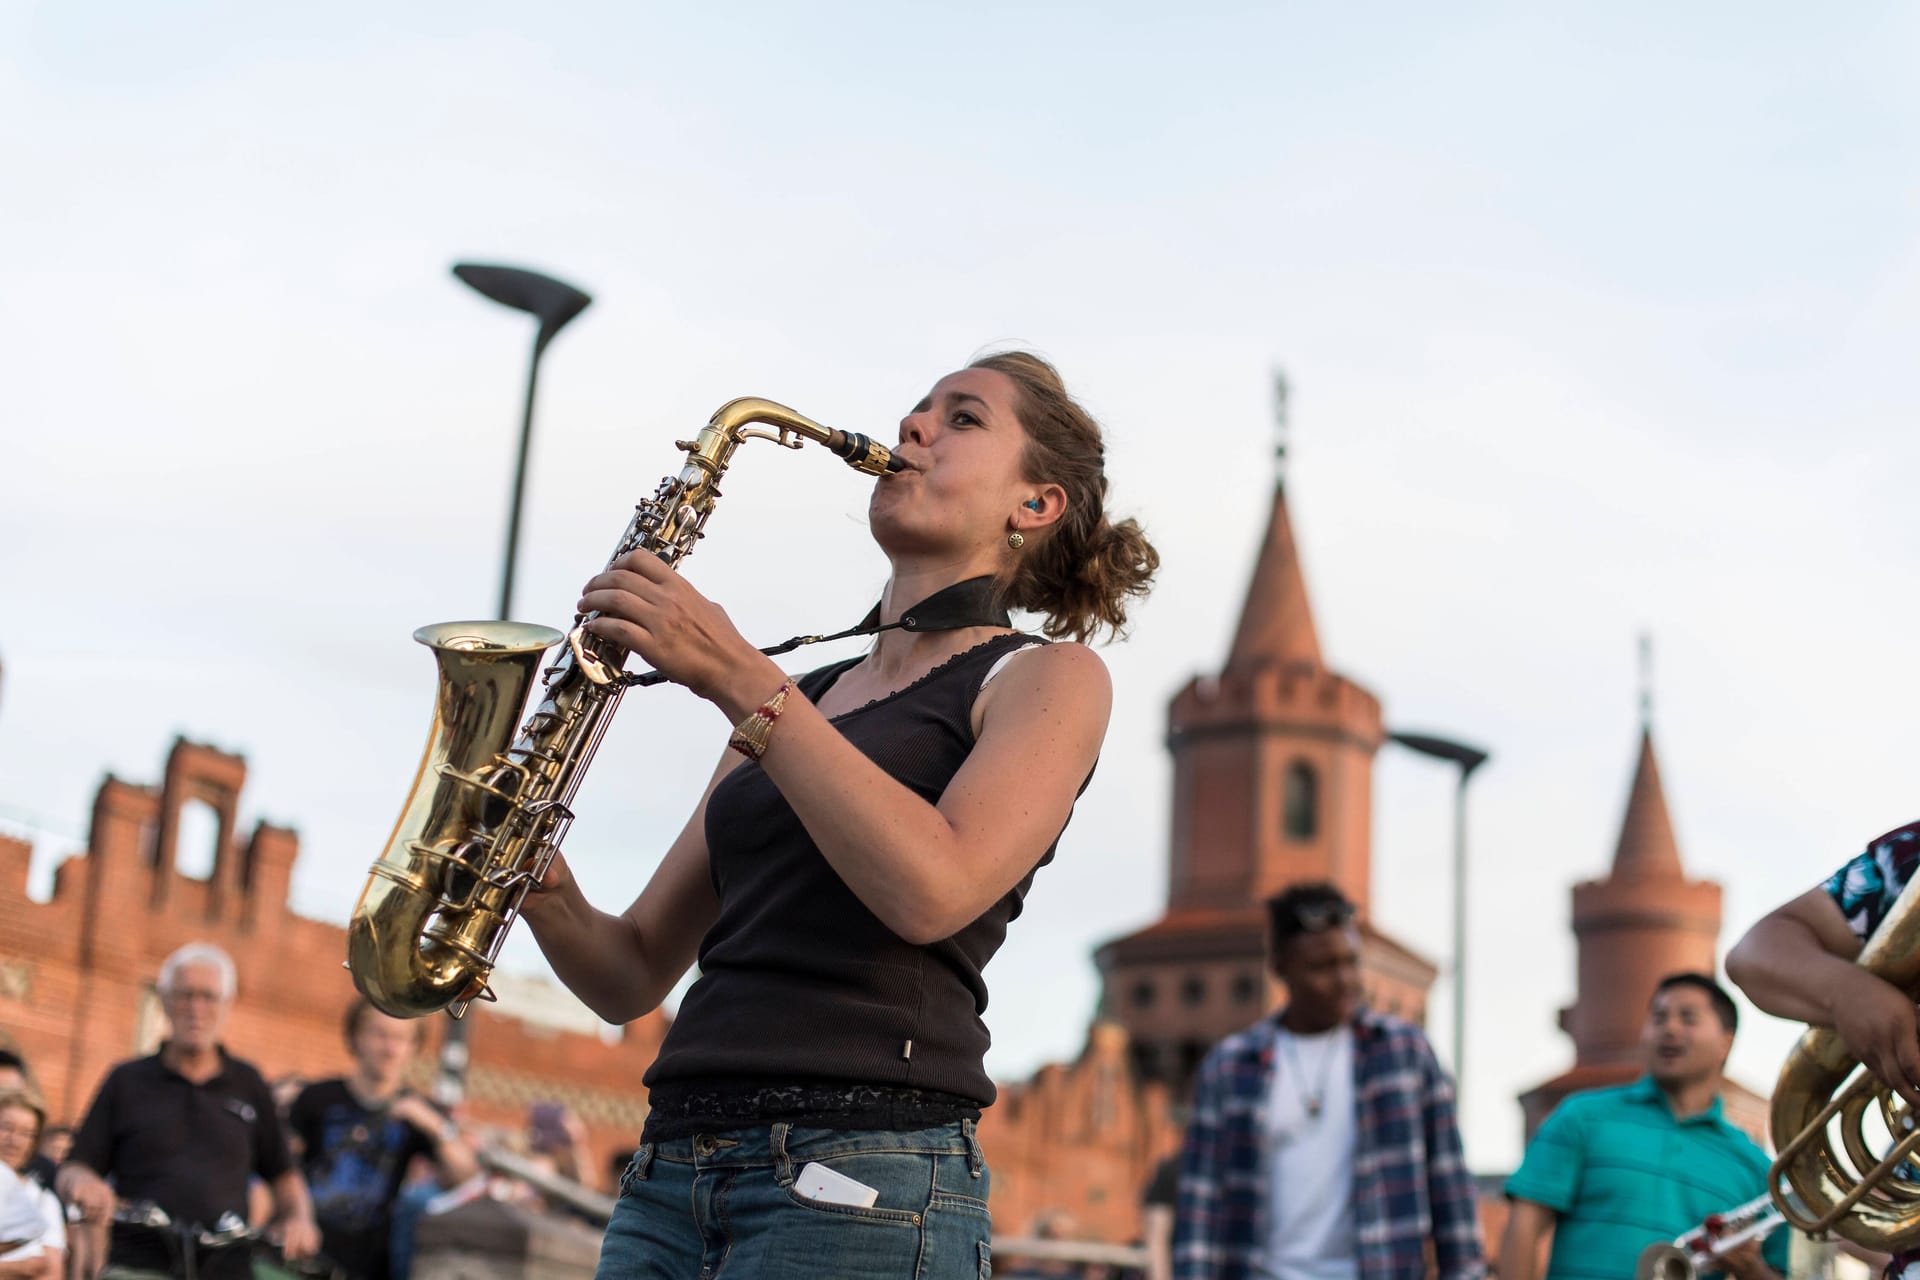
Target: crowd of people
187	1157
855	861
1322	1142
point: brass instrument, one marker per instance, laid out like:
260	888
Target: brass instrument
1702	1248
488	809
1871	1199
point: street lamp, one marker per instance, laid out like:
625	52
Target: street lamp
1469	759
553	303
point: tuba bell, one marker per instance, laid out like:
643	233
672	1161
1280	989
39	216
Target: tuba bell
490	803
1870	1196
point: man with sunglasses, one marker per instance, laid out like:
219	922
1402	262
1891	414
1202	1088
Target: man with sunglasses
1323	1143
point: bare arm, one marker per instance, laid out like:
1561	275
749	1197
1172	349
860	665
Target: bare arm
1797	962
1746	1263
622	966
293	1212
1524	1244
78	1185
928	870
453	1159
924	870
1791	959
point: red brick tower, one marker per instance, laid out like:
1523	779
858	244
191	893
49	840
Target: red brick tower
1643	922
1273	784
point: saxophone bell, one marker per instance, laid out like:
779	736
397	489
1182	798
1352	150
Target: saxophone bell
489	805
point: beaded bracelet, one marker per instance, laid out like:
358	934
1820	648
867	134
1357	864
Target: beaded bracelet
750	736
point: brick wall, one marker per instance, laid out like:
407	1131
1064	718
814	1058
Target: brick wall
77	971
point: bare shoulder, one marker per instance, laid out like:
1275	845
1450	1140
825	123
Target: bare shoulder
1053	680
1063	667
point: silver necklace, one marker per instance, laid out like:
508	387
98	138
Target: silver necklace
1315	1098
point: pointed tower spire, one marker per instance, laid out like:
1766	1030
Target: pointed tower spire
1641	923
1276	621
1647	849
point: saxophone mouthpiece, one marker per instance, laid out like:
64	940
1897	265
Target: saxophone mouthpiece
863	453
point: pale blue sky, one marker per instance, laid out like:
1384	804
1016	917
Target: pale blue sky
1597	322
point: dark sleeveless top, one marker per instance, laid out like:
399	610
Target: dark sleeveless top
808	1009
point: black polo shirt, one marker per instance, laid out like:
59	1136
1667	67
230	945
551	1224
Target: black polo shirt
189	1148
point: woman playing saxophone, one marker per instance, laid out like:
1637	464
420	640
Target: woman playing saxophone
871	830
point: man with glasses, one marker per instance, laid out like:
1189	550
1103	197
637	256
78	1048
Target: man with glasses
14	1075
1323	1143
184	1129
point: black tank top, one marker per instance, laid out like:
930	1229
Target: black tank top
808	1008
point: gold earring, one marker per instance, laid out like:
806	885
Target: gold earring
1015	540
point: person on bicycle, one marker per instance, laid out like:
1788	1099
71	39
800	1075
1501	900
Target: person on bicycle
184	1130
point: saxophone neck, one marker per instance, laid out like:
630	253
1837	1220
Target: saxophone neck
734	421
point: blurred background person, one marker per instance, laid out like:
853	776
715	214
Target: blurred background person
184	1129
357	1136
1612	1171
1323	1143
55	1143
43	1257
14	1077
557	1140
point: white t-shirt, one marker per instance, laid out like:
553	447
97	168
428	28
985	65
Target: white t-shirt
1309	1141
31	1213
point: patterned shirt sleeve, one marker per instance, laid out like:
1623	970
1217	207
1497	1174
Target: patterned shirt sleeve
1450	1189
1866	887
1196	1219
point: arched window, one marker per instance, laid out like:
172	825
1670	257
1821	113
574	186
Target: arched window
1300	802
1143	994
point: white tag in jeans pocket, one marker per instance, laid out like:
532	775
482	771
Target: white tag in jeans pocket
819	1183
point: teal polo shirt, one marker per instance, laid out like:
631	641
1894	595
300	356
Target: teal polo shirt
1623	1173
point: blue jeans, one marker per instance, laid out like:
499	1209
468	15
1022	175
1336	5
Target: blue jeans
722	1206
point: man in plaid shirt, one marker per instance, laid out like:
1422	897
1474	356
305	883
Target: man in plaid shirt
1323	1144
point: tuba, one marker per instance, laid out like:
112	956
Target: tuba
489	805
1871	1198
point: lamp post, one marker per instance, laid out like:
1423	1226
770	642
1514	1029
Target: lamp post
553	303
1468	759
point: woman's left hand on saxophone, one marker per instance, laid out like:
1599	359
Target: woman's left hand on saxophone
645	606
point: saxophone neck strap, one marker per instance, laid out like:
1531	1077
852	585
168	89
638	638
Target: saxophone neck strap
973	603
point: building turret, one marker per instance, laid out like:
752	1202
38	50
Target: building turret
1644	921
1272	785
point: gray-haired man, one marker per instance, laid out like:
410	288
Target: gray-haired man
185	1129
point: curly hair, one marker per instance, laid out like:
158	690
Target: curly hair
1080	572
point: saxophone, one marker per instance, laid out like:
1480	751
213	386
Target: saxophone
489	806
